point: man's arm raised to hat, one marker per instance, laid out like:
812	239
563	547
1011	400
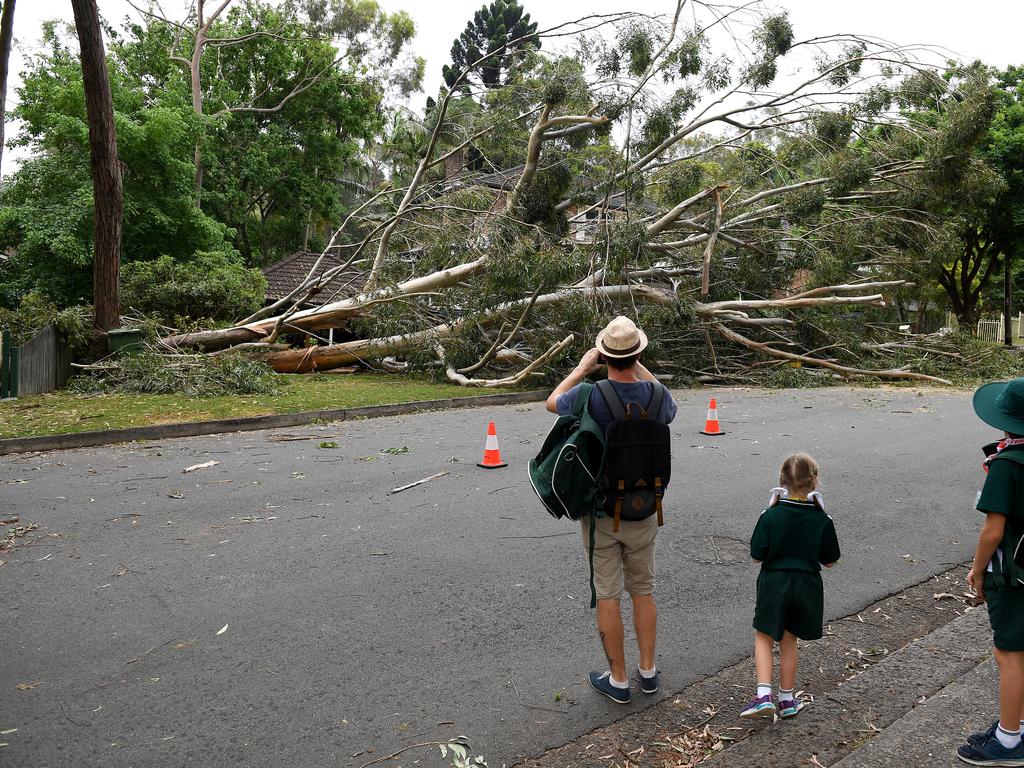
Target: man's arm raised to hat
587	365
643	374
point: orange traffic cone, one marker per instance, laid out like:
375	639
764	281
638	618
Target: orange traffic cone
711	426
492	456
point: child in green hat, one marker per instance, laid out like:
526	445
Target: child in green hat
994	574
793	538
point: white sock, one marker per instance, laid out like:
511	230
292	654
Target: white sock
787	693
764	689
1009	739
616	683
648	673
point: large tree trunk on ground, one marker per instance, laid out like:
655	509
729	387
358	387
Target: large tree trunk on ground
333	315
108	201
6	38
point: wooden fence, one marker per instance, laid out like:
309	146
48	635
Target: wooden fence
41	364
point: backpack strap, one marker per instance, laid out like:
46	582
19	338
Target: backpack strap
659	491
593	589
582	399
619	494
658	396
612	399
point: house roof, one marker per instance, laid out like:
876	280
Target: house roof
286	275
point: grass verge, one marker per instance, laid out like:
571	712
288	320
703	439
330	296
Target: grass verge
64	412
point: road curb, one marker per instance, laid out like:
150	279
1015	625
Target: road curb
252	423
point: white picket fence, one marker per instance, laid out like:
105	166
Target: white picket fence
991	329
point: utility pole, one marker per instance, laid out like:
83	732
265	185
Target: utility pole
1007	301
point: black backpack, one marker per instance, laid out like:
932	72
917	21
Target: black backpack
637	457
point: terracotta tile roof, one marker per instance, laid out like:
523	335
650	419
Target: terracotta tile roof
287	274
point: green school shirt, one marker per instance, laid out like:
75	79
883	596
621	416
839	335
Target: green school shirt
794	535
1003	494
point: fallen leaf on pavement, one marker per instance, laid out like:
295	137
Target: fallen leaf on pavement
27	686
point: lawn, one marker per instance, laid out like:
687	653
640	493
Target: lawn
62	412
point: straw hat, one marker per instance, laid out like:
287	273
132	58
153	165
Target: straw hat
1001	405
621	338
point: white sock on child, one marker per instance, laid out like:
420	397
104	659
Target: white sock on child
764	689
786	694
1009	739
648	673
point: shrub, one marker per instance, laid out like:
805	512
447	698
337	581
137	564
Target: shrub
211	285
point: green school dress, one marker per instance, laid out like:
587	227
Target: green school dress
792	539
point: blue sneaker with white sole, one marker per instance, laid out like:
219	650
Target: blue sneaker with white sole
977	738
602	683
991	752
651	684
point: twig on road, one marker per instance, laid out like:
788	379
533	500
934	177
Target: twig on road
140	658
64	709
403	749
401	488
533	706
545	536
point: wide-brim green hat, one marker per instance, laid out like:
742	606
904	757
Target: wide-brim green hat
1001	405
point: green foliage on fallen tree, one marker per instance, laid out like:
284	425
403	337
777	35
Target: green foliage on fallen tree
192	376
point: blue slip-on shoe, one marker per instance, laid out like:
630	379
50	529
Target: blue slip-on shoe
762	706
977	738
601	682
649	684
991	752
790	707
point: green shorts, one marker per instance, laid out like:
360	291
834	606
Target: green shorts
791	601
1006	615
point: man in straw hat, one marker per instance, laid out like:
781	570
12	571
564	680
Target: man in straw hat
624	557
994	573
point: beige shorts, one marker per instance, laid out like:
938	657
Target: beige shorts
622	558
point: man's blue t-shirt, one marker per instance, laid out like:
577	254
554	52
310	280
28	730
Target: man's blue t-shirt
639	392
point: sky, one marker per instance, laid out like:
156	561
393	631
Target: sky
985	29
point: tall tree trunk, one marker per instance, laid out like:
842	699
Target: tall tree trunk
197	96
6	38
108	203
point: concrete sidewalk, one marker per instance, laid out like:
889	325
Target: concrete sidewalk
929	734
913	708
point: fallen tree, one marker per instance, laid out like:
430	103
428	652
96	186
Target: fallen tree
737	183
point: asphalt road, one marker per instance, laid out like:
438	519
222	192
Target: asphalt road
358	622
